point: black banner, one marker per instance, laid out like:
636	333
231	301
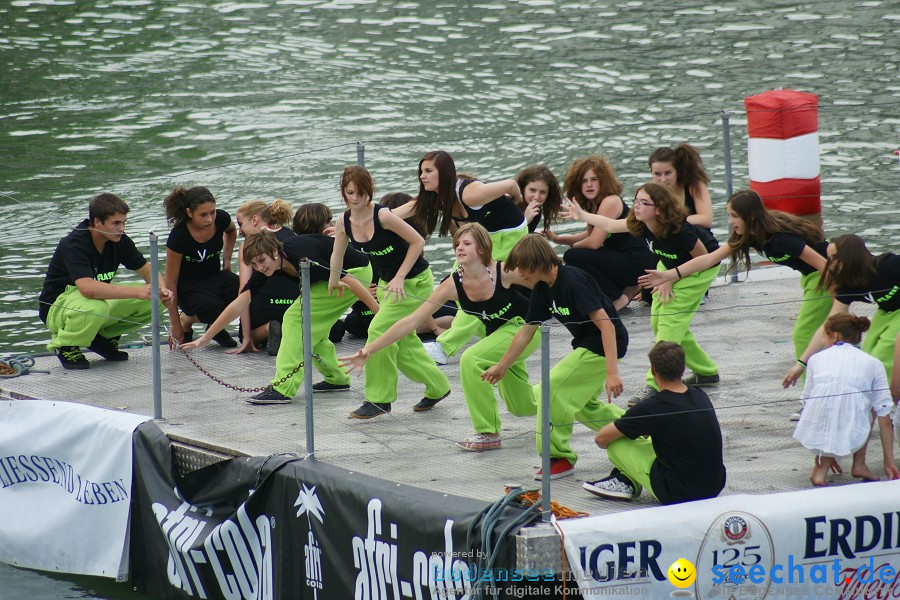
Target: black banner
279	527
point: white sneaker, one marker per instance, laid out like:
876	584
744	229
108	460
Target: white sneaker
436	351
616	486
641	395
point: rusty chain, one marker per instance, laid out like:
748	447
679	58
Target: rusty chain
238	388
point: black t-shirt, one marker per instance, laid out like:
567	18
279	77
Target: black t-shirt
883	289
199	260
500	214
258	280
283	234
687	440
317	247
625	243
76	257
386	249
785	249
675	249
575	295
533	224
505	304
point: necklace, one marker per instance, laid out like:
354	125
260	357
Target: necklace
460	272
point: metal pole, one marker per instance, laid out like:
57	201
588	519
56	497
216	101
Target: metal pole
545	422
360	154
154	300
307	357
729	180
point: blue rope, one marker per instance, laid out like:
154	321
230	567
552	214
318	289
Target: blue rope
19	365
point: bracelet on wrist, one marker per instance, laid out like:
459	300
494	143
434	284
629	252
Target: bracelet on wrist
801	363
677	272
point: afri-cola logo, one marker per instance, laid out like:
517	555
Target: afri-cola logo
308	504
238	551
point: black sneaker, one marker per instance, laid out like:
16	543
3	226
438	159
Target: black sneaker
71	357
108	348
616	486
428	403
701	380
369	410
269	396
274	341
324	386
224	339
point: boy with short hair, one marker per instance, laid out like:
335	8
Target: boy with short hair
79	303
682	460
599	340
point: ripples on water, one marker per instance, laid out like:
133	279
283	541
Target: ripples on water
134	96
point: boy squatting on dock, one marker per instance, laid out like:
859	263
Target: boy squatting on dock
79	302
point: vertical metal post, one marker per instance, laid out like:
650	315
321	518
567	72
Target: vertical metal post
729	180
360	154
155	350
307	358
545	422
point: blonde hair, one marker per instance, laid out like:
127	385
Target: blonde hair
252	208
480	236
277	213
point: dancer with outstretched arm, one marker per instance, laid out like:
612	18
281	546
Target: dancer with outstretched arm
406	280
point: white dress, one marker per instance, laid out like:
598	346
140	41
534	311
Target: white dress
843	386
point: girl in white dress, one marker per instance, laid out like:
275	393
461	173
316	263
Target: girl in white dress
844	388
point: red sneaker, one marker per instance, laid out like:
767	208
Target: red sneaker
559	467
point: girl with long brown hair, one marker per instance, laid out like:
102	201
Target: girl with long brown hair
657	217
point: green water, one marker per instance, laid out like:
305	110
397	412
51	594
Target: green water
265	99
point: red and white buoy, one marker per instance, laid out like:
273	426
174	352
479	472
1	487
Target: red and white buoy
783	150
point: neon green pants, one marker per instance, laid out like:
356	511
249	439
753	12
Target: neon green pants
879	340
634	458
672	321
575	386
408	355
814	310
324	310
74	320
464	326
514	387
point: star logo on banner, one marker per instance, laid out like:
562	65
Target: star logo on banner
309	504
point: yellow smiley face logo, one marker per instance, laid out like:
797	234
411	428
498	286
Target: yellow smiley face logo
682	573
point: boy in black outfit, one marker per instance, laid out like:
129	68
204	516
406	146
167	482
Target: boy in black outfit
79	303
682	460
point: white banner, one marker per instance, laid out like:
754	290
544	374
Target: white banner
841	543
794	158
65	487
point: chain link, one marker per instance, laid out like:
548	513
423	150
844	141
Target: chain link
238	388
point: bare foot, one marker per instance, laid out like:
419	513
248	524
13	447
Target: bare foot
819	472
863	472
818	476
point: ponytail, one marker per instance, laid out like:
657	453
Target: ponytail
181	199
